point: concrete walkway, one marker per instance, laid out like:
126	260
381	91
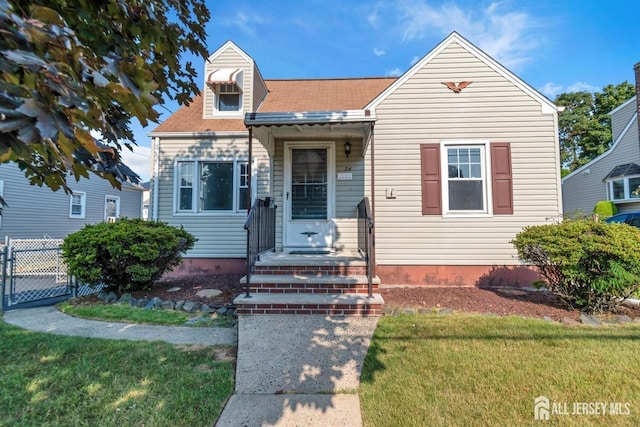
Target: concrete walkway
298	370
51	320
292	370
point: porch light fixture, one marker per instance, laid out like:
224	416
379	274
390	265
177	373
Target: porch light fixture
347	148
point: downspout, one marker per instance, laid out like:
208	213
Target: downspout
156	180
373	201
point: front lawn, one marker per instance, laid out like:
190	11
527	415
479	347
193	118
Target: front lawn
487	370
61	381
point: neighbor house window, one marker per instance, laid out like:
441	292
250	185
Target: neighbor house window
626	188
78	202
228	98
212	186
111	208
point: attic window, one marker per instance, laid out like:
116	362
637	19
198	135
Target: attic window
226	84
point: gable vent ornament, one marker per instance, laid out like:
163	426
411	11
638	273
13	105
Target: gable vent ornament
456	88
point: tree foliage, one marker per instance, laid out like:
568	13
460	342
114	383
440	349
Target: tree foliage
126	255
72	69
585	124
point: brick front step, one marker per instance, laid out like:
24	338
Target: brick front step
277	284
328	305
312	270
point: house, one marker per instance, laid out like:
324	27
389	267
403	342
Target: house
449	160
34	212
615	174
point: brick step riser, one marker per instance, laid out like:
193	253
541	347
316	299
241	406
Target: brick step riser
312	271
311	289
324	309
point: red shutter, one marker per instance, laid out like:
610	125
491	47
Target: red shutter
501	178
430	177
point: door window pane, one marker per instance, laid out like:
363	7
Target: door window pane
309	183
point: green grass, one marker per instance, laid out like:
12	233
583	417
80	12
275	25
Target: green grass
128	314
68	381
480	370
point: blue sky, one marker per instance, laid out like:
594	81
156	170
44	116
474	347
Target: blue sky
554	45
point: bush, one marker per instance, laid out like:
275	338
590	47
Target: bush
604	209
126	255
590	265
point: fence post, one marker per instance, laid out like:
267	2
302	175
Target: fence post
4	276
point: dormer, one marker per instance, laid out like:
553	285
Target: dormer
233	84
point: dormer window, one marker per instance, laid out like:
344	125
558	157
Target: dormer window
226	84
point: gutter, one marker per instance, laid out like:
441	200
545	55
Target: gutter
156	180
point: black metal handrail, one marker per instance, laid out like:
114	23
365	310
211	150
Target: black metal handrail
365	239
261	233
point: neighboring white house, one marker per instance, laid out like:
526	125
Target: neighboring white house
456	156
38	212
615	174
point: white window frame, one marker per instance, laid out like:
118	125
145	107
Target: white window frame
627	190
83	205
196	188
216	101
117	199
485	157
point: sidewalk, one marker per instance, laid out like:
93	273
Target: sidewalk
298	370
51	320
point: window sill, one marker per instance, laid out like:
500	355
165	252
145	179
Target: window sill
626	201
467	215
221	213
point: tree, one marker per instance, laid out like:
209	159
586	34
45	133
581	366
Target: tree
585	125
72	69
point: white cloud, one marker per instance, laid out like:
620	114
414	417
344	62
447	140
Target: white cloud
503	34
551	90
378	52
582	87
139	160
394	72
246	22
415	59
372	18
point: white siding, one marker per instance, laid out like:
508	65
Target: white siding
582	190
219	235
36	212
621	117
492	108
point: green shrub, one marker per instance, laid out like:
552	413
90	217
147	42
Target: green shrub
126	255
605	209
589	265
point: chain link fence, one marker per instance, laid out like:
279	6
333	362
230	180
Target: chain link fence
34	273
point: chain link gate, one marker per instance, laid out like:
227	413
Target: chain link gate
34	274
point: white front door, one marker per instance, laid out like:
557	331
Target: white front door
309	194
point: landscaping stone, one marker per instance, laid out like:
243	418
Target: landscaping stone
569	321
111	298
444	311
425	311
623	319
409	311
548	319
206	309
589	320
190	306
179	304
133	302
142	302
102	295
231	312
208	293
149	305
156	302
174	289
167	305
387	310
124	299
222	311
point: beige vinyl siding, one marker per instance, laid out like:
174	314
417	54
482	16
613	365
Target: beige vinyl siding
621	117
347	196
220	235
492	108
229	58
259	88
581	191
